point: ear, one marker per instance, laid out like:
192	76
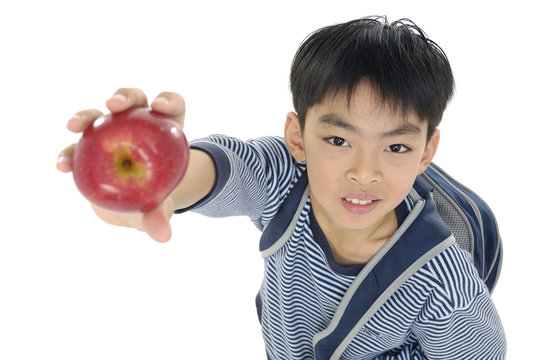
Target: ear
430	151
294	137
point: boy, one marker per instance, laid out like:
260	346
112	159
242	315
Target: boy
369	96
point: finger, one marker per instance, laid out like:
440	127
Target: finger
125	98
110	217
156	224
82	120
171	104
64	161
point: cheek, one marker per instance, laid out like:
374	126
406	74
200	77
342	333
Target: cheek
400	182
324	177
320	174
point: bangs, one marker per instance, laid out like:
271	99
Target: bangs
410	72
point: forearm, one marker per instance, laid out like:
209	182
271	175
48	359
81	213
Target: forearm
198	180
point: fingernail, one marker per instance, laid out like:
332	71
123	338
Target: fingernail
62	163
73	119
161	101
64	158
119	97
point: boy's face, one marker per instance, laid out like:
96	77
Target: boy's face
361	160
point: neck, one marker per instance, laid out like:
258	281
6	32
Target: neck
358	246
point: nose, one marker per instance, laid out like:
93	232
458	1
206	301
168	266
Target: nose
364	169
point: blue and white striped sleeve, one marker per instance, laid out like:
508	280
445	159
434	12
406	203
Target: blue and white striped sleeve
252	179
460	321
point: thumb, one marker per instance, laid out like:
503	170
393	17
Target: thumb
156	222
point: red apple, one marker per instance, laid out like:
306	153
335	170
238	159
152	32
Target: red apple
130	161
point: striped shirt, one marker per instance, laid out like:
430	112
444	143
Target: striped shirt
443	311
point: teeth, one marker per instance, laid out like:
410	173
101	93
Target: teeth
358	201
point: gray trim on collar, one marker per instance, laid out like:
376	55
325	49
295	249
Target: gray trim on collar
290	229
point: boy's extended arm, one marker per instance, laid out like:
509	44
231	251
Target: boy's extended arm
252	177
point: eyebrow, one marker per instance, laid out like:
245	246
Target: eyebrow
337	121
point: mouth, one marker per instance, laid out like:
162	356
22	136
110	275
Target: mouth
357	206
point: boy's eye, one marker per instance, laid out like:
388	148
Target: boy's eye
397	148
337	141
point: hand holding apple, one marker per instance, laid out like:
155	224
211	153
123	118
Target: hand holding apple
155	222
130	161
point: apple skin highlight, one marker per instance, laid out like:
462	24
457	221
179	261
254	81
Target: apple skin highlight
130	161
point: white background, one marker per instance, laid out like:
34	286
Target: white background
74	288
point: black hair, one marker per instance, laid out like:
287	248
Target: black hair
411	72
